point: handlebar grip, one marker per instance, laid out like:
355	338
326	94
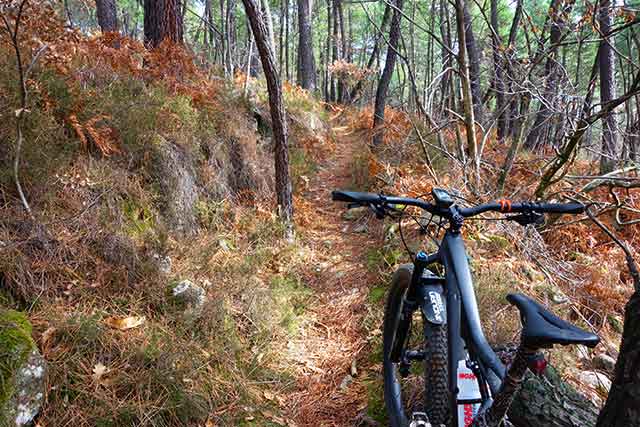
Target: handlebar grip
361	198
562	208
339	196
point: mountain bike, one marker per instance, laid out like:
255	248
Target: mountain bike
465	382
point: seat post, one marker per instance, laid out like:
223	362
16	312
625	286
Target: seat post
492	417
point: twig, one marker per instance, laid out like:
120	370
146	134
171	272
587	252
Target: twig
631	264
13	34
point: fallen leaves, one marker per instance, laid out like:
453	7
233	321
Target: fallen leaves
125	323
99	370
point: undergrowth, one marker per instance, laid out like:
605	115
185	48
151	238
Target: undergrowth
143	171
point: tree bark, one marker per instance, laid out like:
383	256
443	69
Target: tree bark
162	19
107	16
539	134
474	65
276	105
607	90
550	402
467	97
622	408
498	65
306	61
385	78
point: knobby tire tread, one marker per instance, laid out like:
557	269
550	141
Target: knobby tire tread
436	351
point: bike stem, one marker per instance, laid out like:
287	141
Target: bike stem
494	415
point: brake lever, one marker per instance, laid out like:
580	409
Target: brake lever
527	218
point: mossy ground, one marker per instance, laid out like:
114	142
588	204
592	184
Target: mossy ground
16	344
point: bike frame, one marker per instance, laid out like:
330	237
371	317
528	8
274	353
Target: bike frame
464	328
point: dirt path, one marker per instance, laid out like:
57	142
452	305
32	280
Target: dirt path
329	349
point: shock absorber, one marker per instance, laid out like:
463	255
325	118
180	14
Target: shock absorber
526	357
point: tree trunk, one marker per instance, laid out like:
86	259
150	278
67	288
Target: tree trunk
334	48
231	36
498	65
539	135
622	408
607	90
474	65
342	84
306	61
328	89
385	78
467	97
162	19
107	16
374	53
276	105
551	402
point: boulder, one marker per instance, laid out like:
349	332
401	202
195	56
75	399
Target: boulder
596	380
22	371
604	362
191	296
162	262
173	170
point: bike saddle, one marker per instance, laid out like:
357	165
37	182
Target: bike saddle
541	328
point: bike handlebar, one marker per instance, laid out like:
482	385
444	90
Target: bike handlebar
502	206
506	206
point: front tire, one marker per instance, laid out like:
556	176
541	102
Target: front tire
435	364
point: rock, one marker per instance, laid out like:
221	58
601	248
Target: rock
364	420
604	362
559	298
616	323
22	371
583	354
163	262
191	296
172	169
346	381
355	213
596	380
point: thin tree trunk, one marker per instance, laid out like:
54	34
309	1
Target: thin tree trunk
498	65
474	65
328	95
276	104
286	42
342	47
607	90
467	97
334	48
162	19
107	16
512	115
385	78
374	53
539	135
306	62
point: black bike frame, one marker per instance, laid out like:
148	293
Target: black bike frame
464	329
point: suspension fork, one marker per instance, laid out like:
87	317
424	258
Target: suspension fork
409	304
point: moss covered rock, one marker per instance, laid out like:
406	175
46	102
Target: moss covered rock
22	371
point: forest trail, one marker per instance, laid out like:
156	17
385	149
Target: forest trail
331	390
